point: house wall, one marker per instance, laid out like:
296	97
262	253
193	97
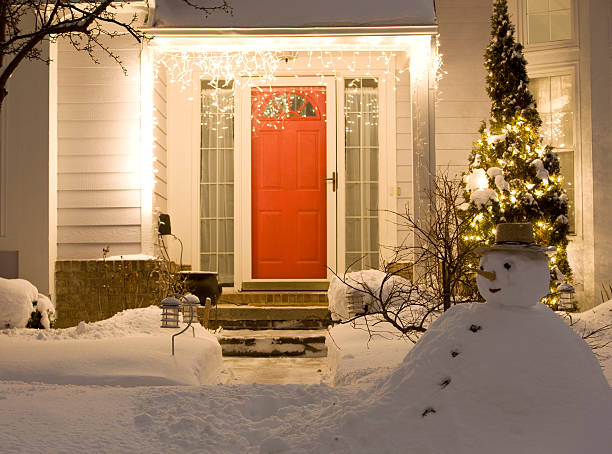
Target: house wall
99	181
25	175
588	58
462	102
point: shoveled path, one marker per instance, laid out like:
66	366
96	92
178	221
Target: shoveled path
280	371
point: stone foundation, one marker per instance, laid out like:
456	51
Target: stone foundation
93	290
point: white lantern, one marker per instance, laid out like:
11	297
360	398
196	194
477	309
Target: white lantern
170	312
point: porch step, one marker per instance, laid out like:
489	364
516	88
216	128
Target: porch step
273	343
275	298
236	317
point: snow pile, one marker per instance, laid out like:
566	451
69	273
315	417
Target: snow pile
18	299
484	379
361	292
129	349
356	356
477	179
597	325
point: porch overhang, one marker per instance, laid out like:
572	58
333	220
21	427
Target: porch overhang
315	39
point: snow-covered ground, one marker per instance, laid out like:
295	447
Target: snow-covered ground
521	382
129	349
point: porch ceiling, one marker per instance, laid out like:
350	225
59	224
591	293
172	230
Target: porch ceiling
296	17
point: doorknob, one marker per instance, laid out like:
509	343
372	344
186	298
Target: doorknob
334	180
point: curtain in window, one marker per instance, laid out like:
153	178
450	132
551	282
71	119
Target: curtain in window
361	185
217	182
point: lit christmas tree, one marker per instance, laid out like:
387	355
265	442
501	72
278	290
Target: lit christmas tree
513	177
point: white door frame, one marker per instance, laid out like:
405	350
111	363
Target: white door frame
242	181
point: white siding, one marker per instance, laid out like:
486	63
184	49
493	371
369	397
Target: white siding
462	102
99	151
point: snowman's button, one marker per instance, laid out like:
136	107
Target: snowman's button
444	383
427	411
454	353
475	328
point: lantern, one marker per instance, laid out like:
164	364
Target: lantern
566	297
170	312
190	308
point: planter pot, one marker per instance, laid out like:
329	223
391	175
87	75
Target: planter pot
203	284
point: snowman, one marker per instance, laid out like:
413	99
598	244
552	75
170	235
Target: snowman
513	271
507	376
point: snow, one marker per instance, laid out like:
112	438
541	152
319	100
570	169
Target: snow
128	349
477	179
294	14
483	198
487	377
17	298
541	172
129	257
361	290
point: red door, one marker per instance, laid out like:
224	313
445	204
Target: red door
288	183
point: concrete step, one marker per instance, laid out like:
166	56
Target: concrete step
235	317
276	298
273	343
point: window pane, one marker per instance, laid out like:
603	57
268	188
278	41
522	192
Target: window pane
208	262
539	28
560	25
353	235
535	6
208	235
556	105
560	4
361	156
217	178
353	199
226	201
208	169
208	200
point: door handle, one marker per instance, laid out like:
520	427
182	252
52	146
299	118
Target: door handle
334	180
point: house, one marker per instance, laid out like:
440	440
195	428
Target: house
90	157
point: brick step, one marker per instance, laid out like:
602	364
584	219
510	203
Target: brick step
235	317
273	343
275	298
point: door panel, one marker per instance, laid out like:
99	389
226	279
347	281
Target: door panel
289	220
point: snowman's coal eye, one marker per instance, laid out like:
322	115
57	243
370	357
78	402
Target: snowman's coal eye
507	266
481	268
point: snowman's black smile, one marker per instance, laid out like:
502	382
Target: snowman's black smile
494	290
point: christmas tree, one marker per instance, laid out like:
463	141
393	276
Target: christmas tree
512	176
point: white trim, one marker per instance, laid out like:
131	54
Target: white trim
146	151
53	152
242	223
197	42
572	70
3	163
522	34
389	30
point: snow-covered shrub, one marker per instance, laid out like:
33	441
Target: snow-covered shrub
21	305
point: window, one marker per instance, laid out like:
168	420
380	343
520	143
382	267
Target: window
217	181
361	157
554	96
548	20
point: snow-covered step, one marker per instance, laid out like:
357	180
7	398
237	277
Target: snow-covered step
266	343
237	317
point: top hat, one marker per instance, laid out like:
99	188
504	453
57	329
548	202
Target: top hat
514	237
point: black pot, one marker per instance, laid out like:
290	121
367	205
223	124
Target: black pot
203	284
